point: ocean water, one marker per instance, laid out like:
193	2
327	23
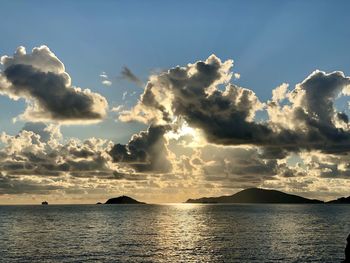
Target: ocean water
174	233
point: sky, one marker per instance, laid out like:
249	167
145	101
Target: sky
169	100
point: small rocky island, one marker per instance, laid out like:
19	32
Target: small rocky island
123	200
44	203
257	195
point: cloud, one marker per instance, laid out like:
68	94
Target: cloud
107	83
105	79
237	150
202	139
37	161
228	166
117	108
232	167
104	75
124	95
40	79
145	152
37	150
280	92
192	93
46	132
14	186
309	119
127	74
304	118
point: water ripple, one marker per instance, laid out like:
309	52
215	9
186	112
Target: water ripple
173	233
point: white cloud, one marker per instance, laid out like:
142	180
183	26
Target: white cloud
105	79
107	83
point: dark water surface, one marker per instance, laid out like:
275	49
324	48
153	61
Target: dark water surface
173	233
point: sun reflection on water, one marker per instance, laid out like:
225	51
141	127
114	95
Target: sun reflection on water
173	233
185	227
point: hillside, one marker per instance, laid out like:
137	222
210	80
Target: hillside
341	200
122	200
257	195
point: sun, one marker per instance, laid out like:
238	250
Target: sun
186	135
187	130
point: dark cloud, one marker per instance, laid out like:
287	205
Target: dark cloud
145	152
224	116
128	176
51	93
127	74
14	185
40	78
236	166
195	93
311	115
343	117
320	90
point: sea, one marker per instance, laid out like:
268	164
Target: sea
174	233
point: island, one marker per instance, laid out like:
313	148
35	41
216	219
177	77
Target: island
257	195
123	200
44	203
341	200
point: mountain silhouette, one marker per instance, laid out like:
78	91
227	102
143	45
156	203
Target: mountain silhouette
257	195
341	200
123	200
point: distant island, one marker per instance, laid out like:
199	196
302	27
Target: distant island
257	195
250	195
341	200
123	200
44	203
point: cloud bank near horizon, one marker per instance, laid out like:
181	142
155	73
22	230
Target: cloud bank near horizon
203	136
